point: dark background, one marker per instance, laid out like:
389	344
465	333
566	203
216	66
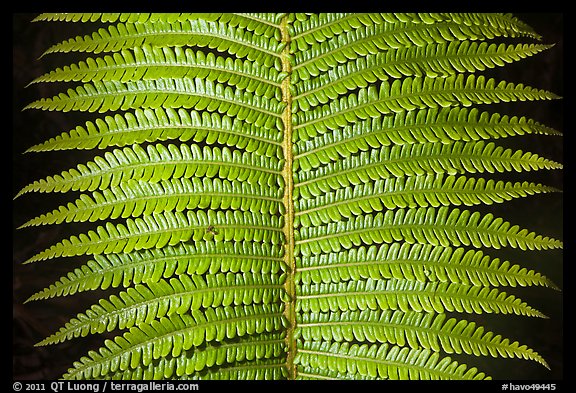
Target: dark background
34	321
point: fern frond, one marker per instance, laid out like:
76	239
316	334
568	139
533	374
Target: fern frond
442	226
319	56
265	24
420	262
259	369
159	124
158	162
414	160
318	27
144	303
201	363
167	228
416	330
283	196
398	96
136	198
404	192
407	295
306	372
148	63
435	60
382	361
506	22
110	17
312	28
445	125
175	334
261	24
195	32
151	265
103	96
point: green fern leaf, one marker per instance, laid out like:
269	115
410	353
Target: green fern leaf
175	334
161	229
444	125
416	262
381	361
417	159
401	32
227	360
440	226
151	63
142	304
149	266
187	93
165	124
417	330
134	199
111	17
408	295
433	60
159	162
398	97
293	195
400	192
188	32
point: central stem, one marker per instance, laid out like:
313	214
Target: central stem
290	285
